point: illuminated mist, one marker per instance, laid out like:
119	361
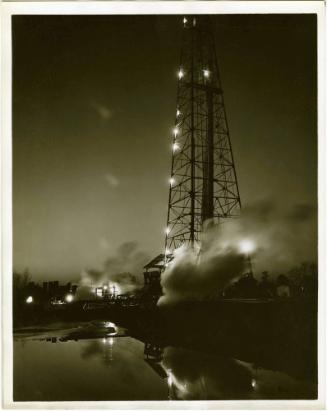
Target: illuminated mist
123	270
275	240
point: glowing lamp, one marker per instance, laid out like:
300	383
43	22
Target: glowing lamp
180	74
175	131
175	146
172	181
178	113
206	73
29	299
69	298
247	246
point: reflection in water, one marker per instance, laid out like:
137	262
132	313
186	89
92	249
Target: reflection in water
88	363
99	348
197	376
192	375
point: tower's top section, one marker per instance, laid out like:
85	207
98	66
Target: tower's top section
203	183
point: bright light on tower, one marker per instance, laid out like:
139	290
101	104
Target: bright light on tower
175	131
167	230
247	246
69	298
172	181
175	146
178	113
180	74
29	299
206	73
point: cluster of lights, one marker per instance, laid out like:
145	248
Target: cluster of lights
109	341
206	73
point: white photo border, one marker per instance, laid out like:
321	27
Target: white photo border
152	8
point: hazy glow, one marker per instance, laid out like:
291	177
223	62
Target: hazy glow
206	73
253	383
247	246
69	298
175	146
105	287
180	74
115	288
29	299
170	380
111	341
167	230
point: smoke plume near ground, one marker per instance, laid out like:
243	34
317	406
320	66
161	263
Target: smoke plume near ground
281	239
123	269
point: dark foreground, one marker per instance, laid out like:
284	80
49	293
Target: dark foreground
221	350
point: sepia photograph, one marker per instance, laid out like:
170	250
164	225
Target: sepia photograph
164	207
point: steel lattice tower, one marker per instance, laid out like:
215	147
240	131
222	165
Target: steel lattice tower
203	184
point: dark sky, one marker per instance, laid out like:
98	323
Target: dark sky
94	100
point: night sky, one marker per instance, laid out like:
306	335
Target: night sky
94	100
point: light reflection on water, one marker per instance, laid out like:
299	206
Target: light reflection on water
118	367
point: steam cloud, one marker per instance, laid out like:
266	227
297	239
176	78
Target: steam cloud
282	240
124	269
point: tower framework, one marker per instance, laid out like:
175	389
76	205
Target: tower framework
203	184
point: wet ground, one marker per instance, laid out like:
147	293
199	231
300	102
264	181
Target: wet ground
99	361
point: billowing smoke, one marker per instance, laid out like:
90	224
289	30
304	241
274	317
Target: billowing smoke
275	240
195	277
123	270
